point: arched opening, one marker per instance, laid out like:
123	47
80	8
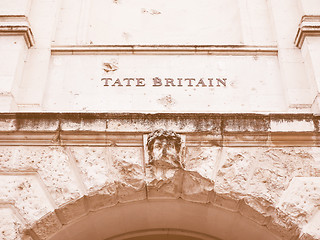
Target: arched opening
163	234
163	237
164	219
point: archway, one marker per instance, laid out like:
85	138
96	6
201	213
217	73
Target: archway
169	218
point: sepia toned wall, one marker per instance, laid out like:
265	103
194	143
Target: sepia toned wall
83	83
75	176
267	51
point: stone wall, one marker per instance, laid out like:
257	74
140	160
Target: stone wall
57	168
57	52
238	80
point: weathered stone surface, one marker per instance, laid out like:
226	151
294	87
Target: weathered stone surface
312	228
284	226
234	171
276	187
47	225
7	124
199	170
179	124
257	209
105	197
72	210
164	183
277	167
116	174
307	236
266	54
195	188
202	160
27	195
130	175
301	198
264	172
52	165
164	164
37	124
230	201
94	167
246	123
84	124
10	225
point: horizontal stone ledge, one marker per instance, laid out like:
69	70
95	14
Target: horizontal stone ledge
17	25
214	123
127	129
309	26
128	140
165	49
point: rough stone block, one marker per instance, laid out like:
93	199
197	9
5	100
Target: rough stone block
264	172
164	184
196	188
10	226
130	176
312	228
233	173
7	124
226	200
179	124
51	163
37	124
47	225
199	170
251	208
283	226
27	194
94	166
301	198
105	197
72	210
202	160
246	123
83	124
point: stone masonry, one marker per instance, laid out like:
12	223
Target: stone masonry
56	168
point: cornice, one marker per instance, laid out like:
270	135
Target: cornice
128	129
309	26
165	49
17	25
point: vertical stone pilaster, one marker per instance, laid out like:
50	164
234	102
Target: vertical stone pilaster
15	39
43	18
310	51
297	89
308	39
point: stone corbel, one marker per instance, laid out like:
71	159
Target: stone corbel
17	25
309	26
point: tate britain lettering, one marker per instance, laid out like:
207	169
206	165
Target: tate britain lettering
164	82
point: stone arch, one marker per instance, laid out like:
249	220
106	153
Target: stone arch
222	218
66	176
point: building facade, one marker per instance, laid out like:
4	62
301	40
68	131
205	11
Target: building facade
160	119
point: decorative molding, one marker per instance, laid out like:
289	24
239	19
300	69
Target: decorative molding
165	49
128	129
164	149
17	25
308	27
